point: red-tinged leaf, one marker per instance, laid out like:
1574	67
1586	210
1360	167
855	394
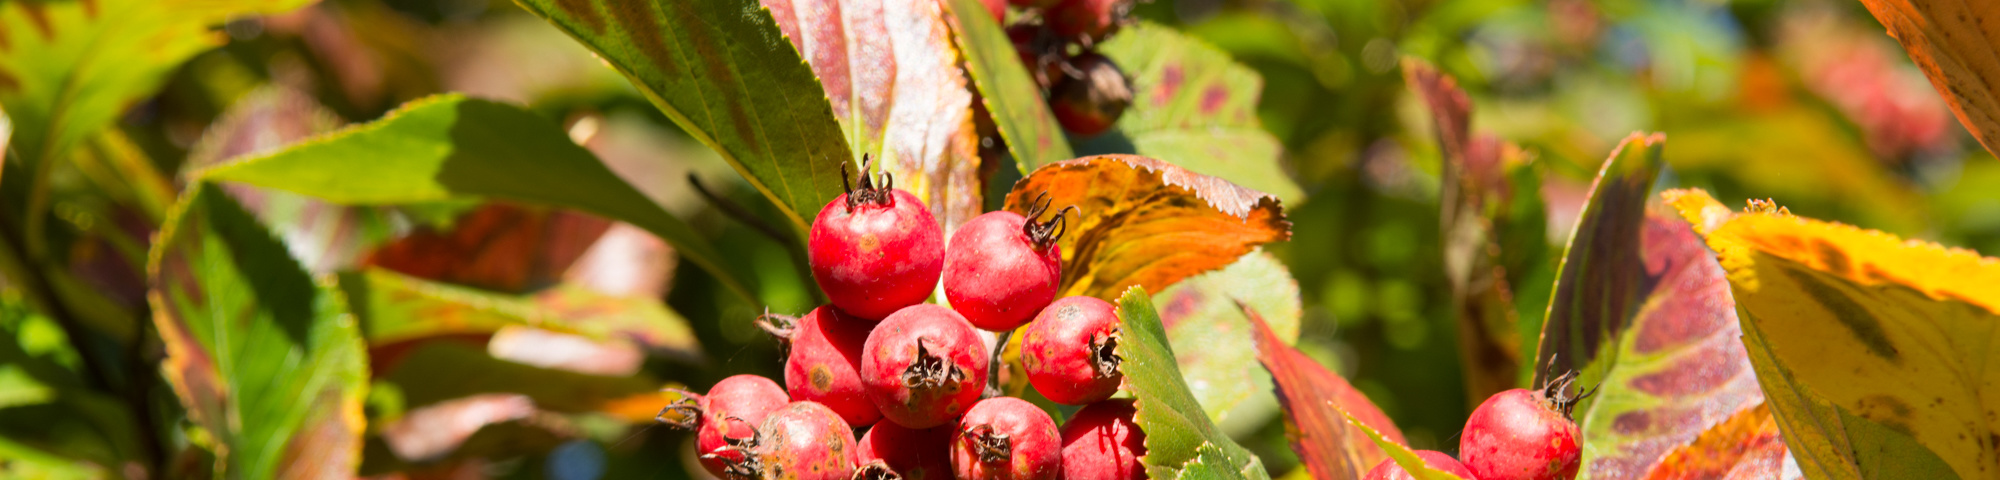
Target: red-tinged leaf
1394	449
1326	443
1492	231
1146	223
1679	369
500	247
1744	446
1952	41
893	76
1599	284
265	359
433	431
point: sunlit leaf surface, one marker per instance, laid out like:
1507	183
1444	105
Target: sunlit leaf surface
1177	430
1598	287
1872	351
723	71
1214	340
1020	113
1952	41
1744	446
1327	444
267	360
1142	222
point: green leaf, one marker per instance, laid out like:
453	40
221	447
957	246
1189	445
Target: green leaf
48	413
1010	92
723	71
1597	286
1194	107
395	308
68	69
1403	456
1216	344
266	360
449	146
1680	366
898	92
1177	430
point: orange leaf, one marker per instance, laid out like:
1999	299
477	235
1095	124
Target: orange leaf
1747	445
1143	222
1952	41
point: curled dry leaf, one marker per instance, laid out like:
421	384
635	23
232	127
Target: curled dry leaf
1146	223
892	74
1327	444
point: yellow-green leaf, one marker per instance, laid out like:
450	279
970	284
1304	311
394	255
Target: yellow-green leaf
1874	352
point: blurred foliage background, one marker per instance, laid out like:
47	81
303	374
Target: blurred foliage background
1804	101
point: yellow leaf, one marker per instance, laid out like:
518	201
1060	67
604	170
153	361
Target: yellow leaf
1874	350
1952	41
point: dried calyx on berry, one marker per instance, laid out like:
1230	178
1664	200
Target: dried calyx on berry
931	370
738	456
686	411
1104	353
1045	234
866	192
1555	394
781	327
876	470
991	445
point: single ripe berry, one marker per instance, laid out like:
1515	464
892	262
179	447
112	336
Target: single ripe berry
1389	470
726	417
1001	268
804	441
924	366
1006	438
911	454
1040	50
875	250
1521	434
824	363
1102	442
1070	351
1087	21
1091	94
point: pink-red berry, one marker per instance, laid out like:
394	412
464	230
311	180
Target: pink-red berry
1087	21
1091	95
1006	438
1102	442
875	250
824	363
1389	470
1002	268
1070	351
804	441
924	366
726	417
1521	434
911	454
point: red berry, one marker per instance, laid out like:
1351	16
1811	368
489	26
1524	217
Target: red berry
1523	435
924	366
824	363
912	454
1087	21
1102	442
1006	438
876	250
1389	470
1032	3
1040	51
805	441
1001	269
1089	98
996	7
1070	351
725	417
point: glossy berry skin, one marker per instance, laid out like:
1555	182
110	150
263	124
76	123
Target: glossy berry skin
924	366
1006	438
1102	442
731	410
1519	435
824	364
996	275
1389	470
1090	104
878	256
1087	21
913	454
805	441
1068	351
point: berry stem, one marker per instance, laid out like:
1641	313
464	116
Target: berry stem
686	411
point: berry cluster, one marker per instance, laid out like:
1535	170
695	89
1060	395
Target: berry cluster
1517	434
917	372
1056	40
